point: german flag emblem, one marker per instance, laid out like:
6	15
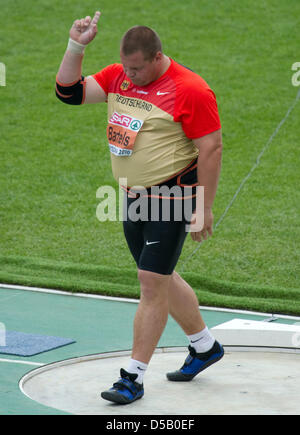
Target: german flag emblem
125	85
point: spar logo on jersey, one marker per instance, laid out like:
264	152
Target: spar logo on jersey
125	121
135	125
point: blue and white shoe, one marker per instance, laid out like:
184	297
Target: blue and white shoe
196	363
125	390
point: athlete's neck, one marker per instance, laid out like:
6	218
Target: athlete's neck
165	65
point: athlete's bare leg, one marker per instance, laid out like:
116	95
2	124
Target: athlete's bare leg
161	295
152	314
184	306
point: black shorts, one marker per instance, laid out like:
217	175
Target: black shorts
156	224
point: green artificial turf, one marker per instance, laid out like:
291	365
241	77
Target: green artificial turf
54	157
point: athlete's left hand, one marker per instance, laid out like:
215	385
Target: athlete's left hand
199	232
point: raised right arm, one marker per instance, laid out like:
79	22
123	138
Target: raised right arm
71	87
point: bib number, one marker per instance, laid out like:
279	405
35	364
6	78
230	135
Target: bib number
121	133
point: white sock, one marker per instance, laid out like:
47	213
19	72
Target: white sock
139	368
202	341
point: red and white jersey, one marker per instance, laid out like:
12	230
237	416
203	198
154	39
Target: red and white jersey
150	128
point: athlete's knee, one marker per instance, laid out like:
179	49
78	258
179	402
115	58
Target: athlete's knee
153	285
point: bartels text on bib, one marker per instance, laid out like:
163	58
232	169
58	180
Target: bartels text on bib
121	133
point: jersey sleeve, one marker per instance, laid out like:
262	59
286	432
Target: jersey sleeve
197	110
106	75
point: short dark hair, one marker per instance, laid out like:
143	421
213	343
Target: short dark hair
141	38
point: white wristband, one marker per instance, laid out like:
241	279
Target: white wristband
75	47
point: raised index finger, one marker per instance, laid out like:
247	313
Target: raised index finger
96	18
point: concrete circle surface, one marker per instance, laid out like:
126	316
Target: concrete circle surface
252	382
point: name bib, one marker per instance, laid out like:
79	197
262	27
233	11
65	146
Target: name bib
121	133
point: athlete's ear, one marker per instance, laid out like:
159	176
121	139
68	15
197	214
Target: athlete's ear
159	56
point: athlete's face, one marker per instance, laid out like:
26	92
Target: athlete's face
140	71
